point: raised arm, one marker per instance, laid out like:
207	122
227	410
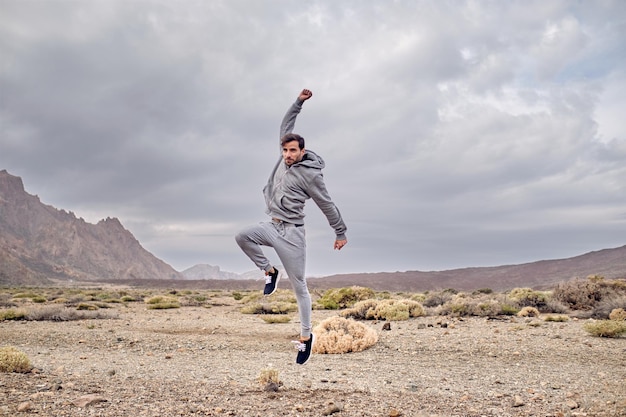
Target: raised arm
289	121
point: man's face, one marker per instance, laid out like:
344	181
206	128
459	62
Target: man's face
292	153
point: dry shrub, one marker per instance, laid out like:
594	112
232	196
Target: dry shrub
5	301
486	308
555	306
360	310
335	299
60	313
341	335
618	314
269	375
586	294
14	360
528	312
437	299
527	297
605	328
608	303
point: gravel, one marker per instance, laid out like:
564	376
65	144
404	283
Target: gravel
196	361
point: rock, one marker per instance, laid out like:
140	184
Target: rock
394	413
571	404
518	401
332	409
25	406
87	400
271	387
387	326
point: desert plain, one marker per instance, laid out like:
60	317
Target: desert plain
210	360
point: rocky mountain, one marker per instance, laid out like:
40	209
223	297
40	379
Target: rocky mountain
39	242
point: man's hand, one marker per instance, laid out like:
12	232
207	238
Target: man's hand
340	244
305	95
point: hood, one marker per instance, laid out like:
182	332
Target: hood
311	160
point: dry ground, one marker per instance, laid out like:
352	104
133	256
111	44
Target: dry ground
205	361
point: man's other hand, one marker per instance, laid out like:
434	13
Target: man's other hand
305	95
340	244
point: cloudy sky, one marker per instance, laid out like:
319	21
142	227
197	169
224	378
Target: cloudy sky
455	133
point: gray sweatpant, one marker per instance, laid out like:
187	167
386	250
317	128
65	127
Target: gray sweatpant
289	242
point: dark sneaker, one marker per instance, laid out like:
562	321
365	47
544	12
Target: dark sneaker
271	283
304	350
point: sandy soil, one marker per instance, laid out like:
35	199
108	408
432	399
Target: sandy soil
206	362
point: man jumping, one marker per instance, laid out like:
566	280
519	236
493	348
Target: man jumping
296	177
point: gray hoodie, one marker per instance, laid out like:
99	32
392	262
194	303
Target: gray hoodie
288	188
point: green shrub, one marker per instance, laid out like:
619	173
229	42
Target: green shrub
25	295
237	295
508	310
275	318
334	299
606	328
557	318
14	360
162	302
11	314
277	307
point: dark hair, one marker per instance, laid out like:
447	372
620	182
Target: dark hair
290	137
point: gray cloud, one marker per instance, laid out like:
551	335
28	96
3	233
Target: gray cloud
455	133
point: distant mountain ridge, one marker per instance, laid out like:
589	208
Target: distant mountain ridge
205	271
609	263
39	243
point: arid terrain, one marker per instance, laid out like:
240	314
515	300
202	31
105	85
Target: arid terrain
204	361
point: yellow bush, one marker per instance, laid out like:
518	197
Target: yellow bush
14	360
269	375
391	310
618	314
415	308
341	335
528	312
